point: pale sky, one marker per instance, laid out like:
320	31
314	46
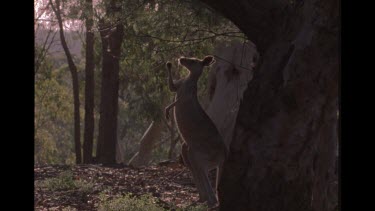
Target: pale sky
44	17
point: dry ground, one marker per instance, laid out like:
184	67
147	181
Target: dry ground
171	183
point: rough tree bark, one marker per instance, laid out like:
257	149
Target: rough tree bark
111	36
283	150
73	72
228	80
89	85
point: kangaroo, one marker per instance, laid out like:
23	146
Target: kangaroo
203	147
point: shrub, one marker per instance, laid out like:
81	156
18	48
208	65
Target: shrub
129	202
142	203
196	208
65	181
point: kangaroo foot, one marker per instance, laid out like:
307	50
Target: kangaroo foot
201	199
213	207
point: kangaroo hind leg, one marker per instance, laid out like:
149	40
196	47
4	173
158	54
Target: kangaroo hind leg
185	157
200	170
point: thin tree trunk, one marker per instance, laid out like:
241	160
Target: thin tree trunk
282	154
119	153
111	46
73	71
89	86
173	140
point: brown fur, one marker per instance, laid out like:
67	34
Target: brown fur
203	147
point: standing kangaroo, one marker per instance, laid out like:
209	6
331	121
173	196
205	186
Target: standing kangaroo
203	148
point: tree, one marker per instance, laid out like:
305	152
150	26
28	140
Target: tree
227	81
283	149
42	51
53	117
151	39
111	33
89	84
73	70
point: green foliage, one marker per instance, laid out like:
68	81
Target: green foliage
65	181
141	203
196	208
155	32
163	32
129	202
53	103
53	118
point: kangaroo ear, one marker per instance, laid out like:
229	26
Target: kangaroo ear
208	60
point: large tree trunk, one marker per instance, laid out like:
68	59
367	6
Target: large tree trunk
282	154
73	72
111	46
89	86
228	80
152	134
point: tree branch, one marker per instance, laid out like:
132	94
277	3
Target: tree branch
44	51
227	34
262	17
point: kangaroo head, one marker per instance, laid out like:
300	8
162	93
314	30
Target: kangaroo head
194	65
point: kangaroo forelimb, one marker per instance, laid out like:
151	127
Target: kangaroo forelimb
168	108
